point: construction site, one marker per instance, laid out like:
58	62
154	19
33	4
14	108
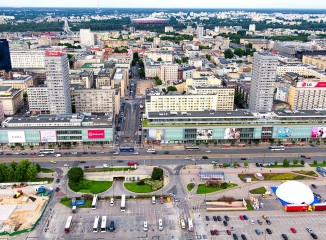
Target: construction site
21	207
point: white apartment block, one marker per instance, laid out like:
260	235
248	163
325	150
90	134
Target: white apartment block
58	82
262	83
95	100
152	69
166	56
216	102
197	63
302	70
169	73
27	58
38	99
87	37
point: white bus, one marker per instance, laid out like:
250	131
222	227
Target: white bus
46	151
68	224
96	224
190	225
103	224
277	148
123	203
160	224
151	150
94	202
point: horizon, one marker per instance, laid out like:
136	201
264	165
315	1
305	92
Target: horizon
240	8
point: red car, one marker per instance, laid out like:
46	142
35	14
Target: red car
216	232
293	230
132	163
307	157
92	166
228	232
241	217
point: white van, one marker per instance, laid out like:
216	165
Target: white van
151	150
112	202
153	200
145	226
160	224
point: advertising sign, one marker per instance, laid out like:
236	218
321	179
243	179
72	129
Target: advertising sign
311	84
318	132
204	134
266	132
156	134
53	53
232	133
93	134
48	136
16	136
284	132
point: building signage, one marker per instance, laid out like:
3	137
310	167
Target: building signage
204	134
311	84
232	133
48	136
16	136
156	135
53	53
284	132
93	134
318	132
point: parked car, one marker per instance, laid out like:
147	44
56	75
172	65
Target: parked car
66	165
214	218
245	217
215	162
41	155
293	230
226	217
257	164
135	153
85	152
53	162
85	167
309	230
105	165
115	153
228	232
218	218
58	155
204	157
225	223
307	157
212	232
187	158
216	232
269	231
82	161
166	152
93	153
58	180
243	159
235	237
252	222
207	218
260	222
257	231
268	222
8	154
285	237
57	189
314	235
314	185
23	153
92	166
241	217
208	151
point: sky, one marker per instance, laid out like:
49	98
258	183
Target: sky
313	4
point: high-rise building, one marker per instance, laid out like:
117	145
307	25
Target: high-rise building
252	27
200	31
87	37
27	59
5	63
262	83
58	82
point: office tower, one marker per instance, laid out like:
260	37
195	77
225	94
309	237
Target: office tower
58	82
27	59
5	63
200	31
252	27
87	37
262	83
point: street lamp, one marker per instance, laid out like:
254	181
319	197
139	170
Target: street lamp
162	186
113	187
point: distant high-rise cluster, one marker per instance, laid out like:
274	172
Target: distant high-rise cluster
5	62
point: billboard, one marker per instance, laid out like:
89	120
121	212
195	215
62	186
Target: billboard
53	53
318	132
311	84
95	134
284	132
48	136
204	134
156	134
16	136
232	133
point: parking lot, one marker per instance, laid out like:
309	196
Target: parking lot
280	223
128	224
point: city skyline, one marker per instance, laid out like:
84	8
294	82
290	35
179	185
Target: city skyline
237	4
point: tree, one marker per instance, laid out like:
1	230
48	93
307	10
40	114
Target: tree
171	89
228	53
295	161
286	163
275	163
239	52
10	174
158	82
246	163
184	59
302	162
135	56
75	174
235	164
315	162
21	171
208	57
3	172
237	98
157	173
142	73
159	59
38	167
13	165
224	185
225	164
31	172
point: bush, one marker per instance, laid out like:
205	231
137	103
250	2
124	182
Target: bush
212	184
75	174
302	162
226	199
324	162
315	162
275	163
225	164
88	196
224	185
141	182
295	161
286	163
157	173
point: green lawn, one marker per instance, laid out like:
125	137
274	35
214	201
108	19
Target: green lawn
201	188
276	176
190	186
109	169
50	180
260	190
318	164
46	170
89	186
133	187
281	166
67	202
249	206
252	176
309	173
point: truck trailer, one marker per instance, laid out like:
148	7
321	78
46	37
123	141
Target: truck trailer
296	207
319	206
